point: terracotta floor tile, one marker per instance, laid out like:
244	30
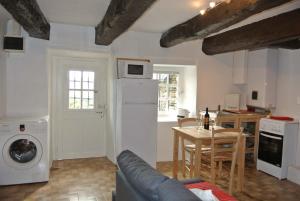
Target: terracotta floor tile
93	179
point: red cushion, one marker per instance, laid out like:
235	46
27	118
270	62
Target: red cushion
221	195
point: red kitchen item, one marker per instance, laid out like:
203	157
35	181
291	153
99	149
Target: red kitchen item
221	195
282	118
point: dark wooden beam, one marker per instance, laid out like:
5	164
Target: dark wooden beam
120	15
29	15
292	44
274	30
216	19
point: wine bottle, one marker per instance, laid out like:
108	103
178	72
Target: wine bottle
206	120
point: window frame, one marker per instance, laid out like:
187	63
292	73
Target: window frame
169	72
81	90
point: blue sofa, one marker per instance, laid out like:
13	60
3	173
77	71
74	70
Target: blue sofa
138	181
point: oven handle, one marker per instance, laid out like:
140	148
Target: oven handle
269	136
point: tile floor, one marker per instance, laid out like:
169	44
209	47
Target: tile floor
94	179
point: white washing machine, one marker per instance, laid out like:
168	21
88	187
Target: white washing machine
24	145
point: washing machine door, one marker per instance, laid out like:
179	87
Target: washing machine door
22	151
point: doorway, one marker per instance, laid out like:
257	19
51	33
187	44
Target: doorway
78	105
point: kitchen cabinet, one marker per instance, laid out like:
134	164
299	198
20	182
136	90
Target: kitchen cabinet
240	65
262	76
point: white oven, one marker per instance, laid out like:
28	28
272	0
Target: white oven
134	68
277	146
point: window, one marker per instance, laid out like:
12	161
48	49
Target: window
81	90
168	91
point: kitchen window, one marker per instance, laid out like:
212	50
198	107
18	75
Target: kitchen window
168	91
81	90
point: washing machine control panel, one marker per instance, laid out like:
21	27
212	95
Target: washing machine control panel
4	128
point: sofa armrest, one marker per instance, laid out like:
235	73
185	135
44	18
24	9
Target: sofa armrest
191	181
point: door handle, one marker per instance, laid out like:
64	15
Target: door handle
101	113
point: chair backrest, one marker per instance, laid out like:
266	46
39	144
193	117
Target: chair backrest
223	120
190	120
225	143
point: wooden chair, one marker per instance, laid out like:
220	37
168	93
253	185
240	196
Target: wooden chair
190	149
227	120
224	148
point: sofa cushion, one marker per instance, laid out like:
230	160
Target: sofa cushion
173	190
140	175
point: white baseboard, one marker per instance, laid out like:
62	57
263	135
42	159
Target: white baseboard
294	174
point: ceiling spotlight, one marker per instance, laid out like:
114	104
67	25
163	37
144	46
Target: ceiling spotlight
212	4
202	12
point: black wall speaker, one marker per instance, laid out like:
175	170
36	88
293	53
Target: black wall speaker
13	43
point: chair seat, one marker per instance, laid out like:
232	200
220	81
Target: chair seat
192	148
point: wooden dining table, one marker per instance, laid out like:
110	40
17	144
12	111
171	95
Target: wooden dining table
199	137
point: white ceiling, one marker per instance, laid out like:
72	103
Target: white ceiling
161	16
77	12
4	15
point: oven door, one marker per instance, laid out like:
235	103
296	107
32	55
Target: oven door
270	148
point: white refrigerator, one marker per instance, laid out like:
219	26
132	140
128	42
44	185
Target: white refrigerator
136	117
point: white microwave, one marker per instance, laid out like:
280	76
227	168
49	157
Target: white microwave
137	69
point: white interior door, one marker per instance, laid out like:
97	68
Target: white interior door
80	107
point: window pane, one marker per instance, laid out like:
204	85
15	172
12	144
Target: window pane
91	95
72	75
163	78
71	85
155	76
71	103
91	85
85	85
91	103
81	95
77	104
85	94
172	92
77	76
74	100
163	91
78	94
71	94
77	85
163	106
88	76
85	103
172	105
173	79
168	90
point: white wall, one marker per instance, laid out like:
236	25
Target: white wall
2	72
288	90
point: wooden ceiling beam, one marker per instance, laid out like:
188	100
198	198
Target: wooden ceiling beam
275	30
216	19
29	15
120	15
292	44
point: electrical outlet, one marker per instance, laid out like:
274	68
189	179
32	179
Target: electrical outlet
298	100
